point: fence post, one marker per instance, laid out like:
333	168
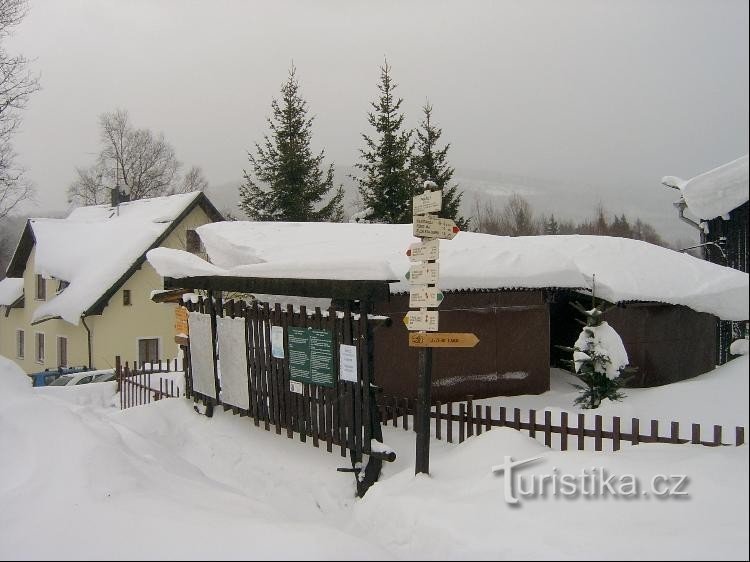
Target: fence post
564	431
461	428
675	432
469	415
581	431
598	433
449	427
438	420
118	372
616	433
532	424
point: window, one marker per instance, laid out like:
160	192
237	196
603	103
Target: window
192	242
62	351
85	380
39	347
148	350
61	286
20	344
41	288
126	297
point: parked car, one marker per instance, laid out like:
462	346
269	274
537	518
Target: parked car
104	377
47	377
73	379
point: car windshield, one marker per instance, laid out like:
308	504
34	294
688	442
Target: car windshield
62	381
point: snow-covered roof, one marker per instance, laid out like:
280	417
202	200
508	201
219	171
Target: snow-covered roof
95	246
716	192
11	289
625	269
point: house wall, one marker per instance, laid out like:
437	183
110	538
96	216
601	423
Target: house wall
115	332
733	235
512	356
20	319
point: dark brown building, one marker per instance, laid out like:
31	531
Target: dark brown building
518	331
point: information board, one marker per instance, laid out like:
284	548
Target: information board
311	356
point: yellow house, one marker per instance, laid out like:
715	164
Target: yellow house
78	290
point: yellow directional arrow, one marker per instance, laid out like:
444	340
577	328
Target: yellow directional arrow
443	339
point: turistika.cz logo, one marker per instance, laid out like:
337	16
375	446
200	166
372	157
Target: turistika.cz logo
595	482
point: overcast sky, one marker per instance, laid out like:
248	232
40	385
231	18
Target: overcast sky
612	95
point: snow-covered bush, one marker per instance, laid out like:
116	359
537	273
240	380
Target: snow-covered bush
599	360
739	347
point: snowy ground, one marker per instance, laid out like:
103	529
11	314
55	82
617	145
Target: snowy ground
719	397
80	479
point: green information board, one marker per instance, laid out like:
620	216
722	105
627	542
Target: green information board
311	356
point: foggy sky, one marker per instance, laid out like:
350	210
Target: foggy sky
609	95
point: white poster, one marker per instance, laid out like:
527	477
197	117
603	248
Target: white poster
277	342
233	358
348	362
201	355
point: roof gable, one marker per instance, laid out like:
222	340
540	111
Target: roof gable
97	249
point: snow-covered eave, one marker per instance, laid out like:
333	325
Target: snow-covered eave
492	289
348	289
714	193
37	321
11	291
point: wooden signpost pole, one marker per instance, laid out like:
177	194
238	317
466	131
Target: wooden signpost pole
424	294
422	421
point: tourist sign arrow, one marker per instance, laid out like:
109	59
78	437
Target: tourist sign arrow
443	339
428	226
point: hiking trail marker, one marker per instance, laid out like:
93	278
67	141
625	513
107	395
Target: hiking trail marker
424	299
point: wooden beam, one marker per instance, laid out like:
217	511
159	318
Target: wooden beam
313	288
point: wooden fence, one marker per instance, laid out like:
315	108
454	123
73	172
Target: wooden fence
459	421
138	384
343	416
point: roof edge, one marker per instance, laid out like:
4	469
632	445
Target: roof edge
17	265
201	201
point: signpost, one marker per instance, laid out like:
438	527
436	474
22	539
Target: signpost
424	298
425	320
443	339
424	251
430	226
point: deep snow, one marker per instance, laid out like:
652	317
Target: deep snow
80	479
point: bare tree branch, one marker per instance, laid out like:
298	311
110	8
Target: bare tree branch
16	85
137	161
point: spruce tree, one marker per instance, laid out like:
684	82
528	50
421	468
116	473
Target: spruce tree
551	226
429	164
387	184
599	359
289	182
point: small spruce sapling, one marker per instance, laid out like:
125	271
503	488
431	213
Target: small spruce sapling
599	359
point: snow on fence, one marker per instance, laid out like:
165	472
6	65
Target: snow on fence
459	421
148	382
